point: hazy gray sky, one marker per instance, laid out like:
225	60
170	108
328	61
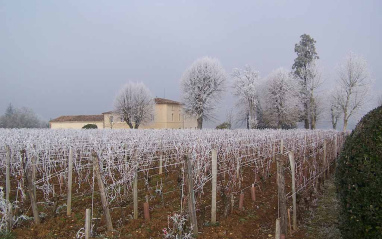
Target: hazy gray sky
72	57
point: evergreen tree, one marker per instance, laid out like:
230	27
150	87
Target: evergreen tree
306	54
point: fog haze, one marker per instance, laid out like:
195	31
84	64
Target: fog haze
72	57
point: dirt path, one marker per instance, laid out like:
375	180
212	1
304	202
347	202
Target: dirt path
322	222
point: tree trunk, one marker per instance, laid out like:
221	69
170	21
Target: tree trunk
200	122
248	121
313	111
345	124
334	119
252	116
345	119
306	119
129	124
335	123
313	122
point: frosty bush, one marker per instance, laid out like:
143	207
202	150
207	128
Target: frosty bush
178	229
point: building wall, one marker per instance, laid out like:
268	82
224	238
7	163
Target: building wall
74	124
167	116
190	122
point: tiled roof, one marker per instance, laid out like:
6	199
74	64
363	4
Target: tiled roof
166	101
78	118
90	117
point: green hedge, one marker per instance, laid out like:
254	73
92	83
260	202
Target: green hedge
224	125
90	126
359	179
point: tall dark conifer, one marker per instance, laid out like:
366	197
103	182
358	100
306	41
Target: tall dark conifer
306	54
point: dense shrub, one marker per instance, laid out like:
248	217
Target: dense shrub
224	125
90	126
359	179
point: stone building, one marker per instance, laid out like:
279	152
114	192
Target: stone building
169	114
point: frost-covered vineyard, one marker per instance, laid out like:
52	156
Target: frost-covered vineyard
123	154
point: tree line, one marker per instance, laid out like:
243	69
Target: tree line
21	118
279	100
284	97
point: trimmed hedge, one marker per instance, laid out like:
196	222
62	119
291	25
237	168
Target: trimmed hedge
90	126
359	179
224	125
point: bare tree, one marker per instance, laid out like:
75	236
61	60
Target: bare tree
317	110
280	100
380	100
335	110
352	86
135	104
202	84
245	83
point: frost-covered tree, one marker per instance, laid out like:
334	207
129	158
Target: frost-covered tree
245	84
21	118
230	117
352	86
312	98
280	100
306	54
202	85
135	104
335	110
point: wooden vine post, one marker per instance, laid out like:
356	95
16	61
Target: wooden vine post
34	171
161	163
135	195
292	167
325	158
335	148
191	196
278	230
241	201
126	160
101	187
289	222
10	217
161	160
146	209
32	196
232	202
70	178
87	223
214	184
238	168
7	172
8	188
281	191
253	192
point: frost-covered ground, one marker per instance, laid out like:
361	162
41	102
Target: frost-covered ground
123	154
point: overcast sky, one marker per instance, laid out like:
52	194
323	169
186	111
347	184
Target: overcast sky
72	57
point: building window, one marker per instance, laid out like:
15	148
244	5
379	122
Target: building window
172	117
